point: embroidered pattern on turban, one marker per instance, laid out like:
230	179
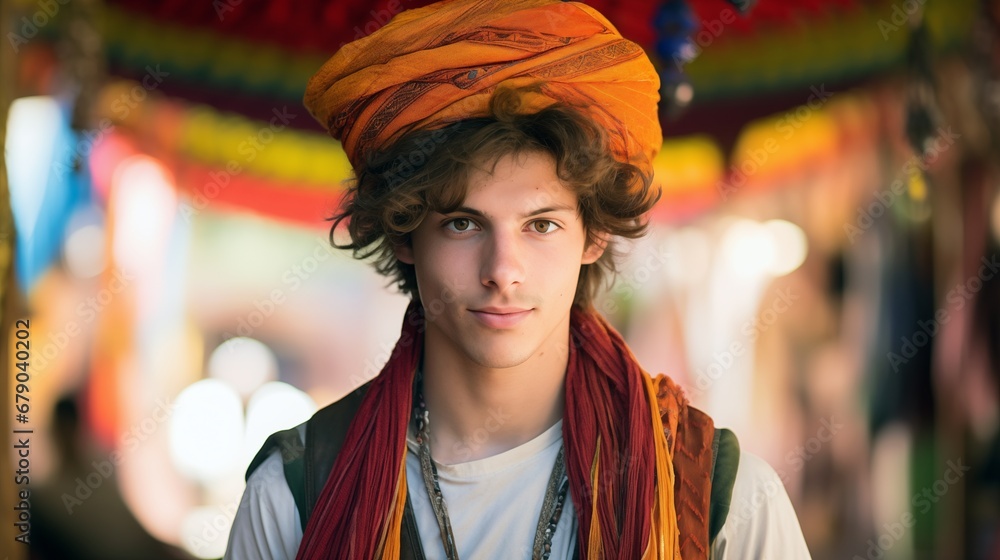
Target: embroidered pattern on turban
439	64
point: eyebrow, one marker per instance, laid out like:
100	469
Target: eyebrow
544	210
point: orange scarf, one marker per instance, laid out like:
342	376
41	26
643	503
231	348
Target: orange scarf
439	64
617	457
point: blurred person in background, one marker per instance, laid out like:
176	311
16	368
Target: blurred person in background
79	513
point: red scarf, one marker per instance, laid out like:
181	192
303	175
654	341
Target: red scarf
619	468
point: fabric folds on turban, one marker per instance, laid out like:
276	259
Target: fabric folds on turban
439	64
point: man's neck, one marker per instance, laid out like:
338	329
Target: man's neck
478	412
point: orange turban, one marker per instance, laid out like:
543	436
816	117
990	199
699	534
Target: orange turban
439	64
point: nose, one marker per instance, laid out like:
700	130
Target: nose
503	261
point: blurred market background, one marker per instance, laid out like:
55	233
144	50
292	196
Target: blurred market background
820	272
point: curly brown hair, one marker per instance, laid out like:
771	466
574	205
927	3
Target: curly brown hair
428	170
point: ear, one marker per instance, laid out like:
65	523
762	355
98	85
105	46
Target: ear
595	248
404	253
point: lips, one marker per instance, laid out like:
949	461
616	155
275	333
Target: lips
501	317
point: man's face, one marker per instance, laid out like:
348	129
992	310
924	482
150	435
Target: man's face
497	277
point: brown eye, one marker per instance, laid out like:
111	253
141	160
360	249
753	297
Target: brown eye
543	226
460	224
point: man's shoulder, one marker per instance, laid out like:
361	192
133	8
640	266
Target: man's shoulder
340	412
757	486
762	522
328	423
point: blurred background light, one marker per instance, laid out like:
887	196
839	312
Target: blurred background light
85	243
774	248
33	125
144	204
205	532
84	251
206	430
690	250
273	407
790	246
748	249
244	363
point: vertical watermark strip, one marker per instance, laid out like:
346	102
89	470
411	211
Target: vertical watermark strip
21	431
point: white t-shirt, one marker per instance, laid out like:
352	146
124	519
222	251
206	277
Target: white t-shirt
494	504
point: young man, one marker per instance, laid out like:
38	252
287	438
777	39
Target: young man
499	150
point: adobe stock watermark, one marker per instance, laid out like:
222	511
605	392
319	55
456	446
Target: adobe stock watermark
378	17
708	32
787	126
958	296
432	309
295	276
205	541
466	448
104	469
608	474
406	165
30	26
894	531
122	106
249	149
87	311
744	510
292	278
798	457
886	198
902	14
214	529
723	360
627	284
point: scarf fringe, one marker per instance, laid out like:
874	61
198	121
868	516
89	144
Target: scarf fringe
595	550
664	514
389	543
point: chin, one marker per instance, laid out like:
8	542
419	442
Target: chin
499	358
